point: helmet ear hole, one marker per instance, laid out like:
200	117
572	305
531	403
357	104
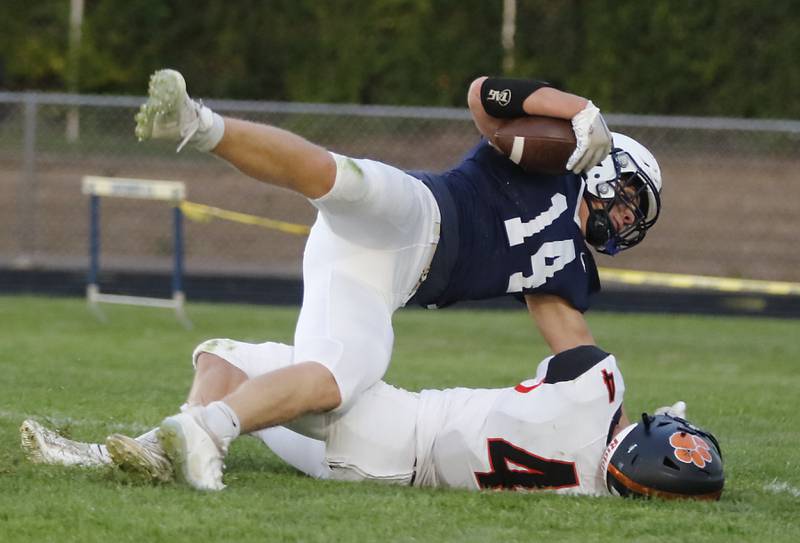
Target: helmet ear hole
670	464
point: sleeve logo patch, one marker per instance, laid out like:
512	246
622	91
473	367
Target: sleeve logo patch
502	97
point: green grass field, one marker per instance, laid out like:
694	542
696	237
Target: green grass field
739	377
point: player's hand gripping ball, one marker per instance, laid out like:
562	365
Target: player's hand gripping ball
537	144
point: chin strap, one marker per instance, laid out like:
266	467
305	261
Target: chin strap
611	247
599	230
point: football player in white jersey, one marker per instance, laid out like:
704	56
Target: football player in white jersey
562	430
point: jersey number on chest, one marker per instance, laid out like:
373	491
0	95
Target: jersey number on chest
551	257
513	467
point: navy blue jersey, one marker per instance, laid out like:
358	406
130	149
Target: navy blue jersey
505	231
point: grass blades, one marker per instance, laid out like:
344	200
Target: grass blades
738	375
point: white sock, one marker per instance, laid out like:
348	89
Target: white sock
221	422
212	128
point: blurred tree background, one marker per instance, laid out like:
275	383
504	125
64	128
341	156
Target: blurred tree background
690	57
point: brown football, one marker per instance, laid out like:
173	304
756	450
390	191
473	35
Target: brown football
537	144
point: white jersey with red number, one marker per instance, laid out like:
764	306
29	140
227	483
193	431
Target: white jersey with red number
546	433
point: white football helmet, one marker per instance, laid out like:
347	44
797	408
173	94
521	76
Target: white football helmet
630	164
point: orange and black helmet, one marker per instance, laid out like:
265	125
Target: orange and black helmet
666	457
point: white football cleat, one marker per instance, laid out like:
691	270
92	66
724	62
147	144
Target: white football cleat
144	458
195	456
43	446
170	114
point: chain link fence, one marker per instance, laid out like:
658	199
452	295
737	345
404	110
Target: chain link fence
731	188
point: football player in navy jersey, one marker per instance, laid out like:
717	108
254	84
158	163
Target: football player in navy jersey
382	236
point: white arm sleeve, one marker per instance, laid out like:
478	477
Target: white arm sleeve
301	452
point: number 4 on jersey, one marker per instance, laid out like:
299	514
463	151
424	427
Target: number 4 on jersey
611	386
513	468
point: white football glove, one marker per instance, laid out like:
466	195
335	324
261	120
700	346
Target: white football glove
593	140
678	409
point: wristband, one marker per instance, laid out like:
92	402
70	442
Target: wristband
502	97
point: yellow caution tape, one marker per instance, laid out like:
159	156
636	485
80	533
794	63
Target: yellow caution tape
680	281
204	213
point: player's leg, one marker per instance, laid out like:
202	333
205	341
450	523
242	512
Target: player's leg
221	365
214	378
387	223
377	206
344	340
376	438
343	345
197	439
278	157
266	153
276	398
376	234
303	453
144	456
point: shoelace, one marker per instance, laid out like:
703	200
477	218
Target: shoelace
194	126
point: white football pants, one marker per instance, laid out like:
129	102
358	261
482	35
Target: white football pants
371	244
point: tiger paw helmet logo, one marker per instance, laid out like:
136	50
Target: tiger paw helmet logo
690	449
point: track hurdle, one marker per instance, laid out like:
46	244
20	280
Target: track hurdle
144	189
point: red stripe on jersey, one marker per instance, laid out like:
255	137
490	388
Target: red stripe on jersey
525	388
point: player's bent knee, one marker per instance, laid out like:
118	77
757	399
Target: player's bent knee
208	362
324	389
205	361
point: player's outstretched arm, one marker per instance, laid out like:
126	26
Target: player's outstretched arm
493	101
545	101
562	326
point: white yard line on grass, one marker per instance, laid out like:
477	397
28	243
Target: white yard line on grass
780	487
57	421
